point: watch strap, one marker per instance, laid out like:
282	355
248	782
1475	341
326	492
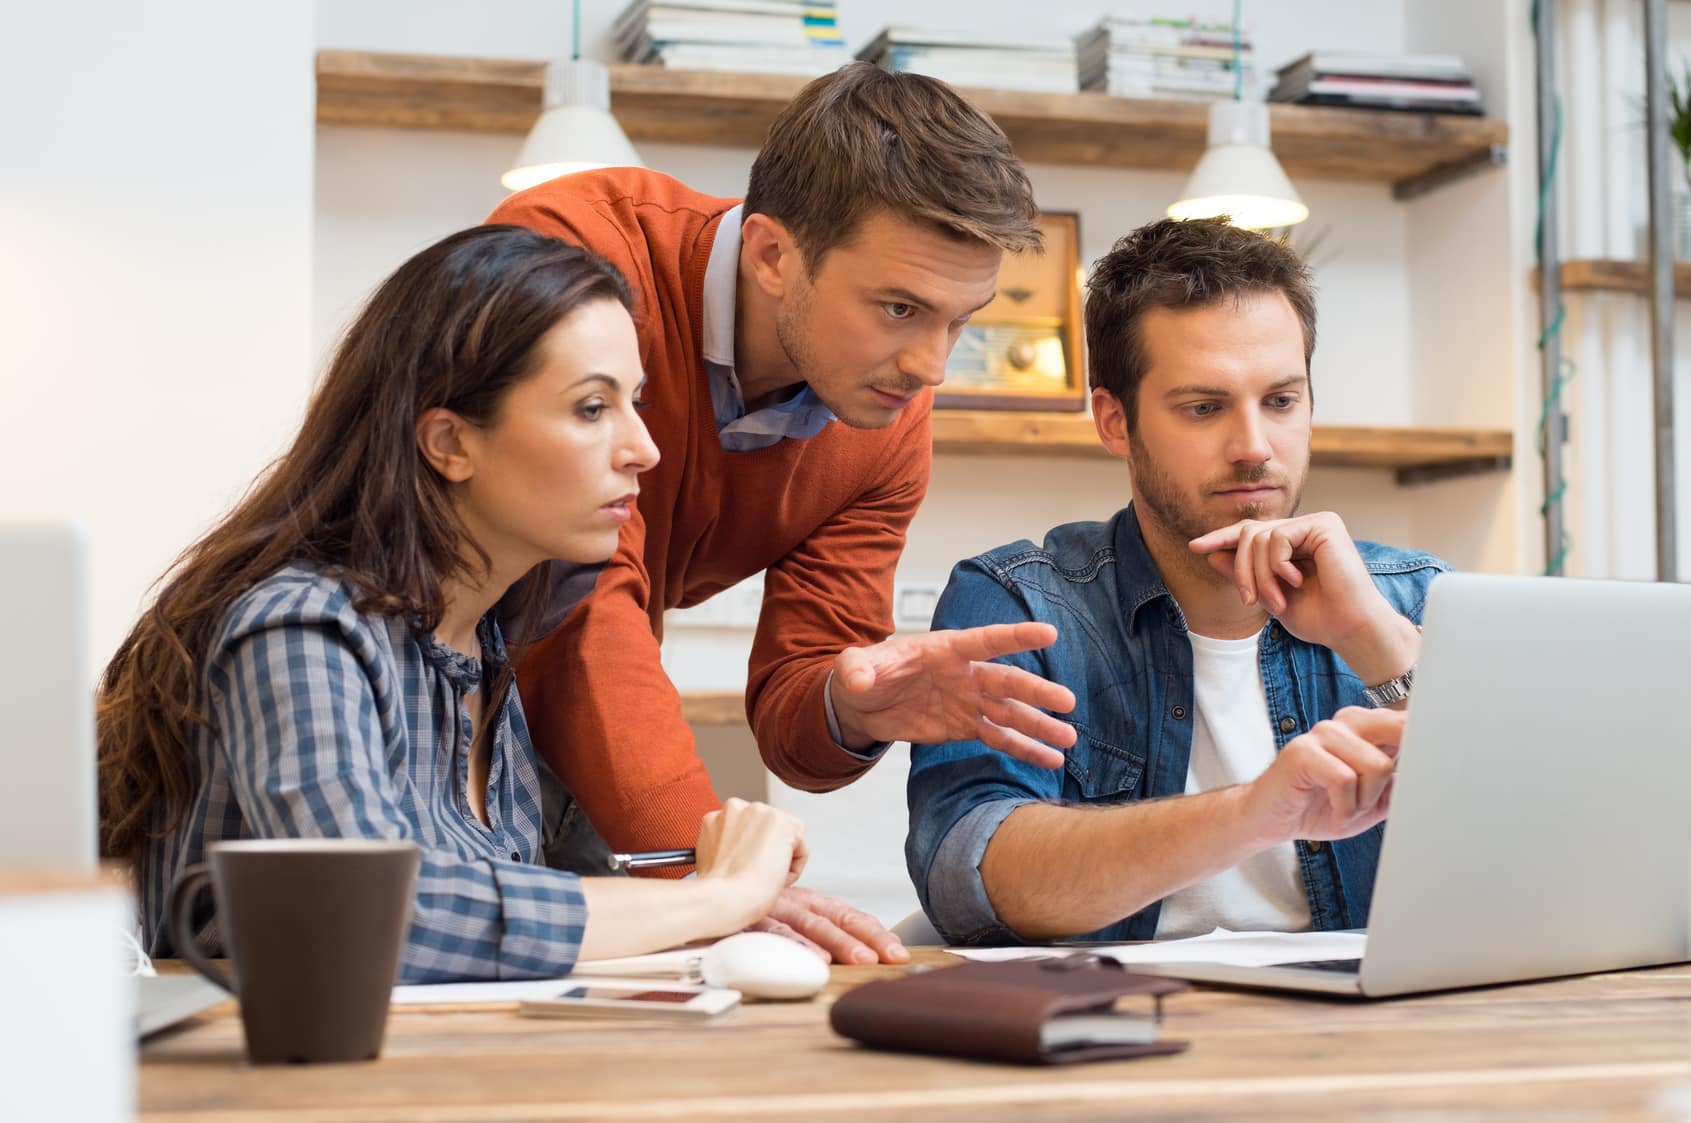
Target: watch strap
1390	692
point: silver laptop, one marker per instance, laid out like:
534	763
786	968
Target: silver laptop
48	805
1539	822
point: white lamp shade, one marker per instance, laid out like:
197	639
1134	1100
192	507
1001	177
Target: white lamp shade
575	132
1238	175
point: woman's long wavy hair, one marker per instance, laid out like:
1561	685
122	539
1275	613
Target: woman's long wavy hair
455	327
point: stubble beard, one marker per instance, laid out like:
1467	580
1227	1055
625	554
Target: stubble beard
793	334
791	323
1157	493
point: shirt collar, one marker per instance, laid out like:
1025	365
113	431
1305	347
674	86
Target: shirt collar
465	671
1138	580
722	276
801	416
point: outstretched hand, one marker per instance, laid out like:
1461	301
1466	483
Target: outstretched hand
943	686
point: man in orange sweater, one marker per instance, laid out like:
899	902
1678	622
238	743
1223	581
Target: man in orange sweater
790	344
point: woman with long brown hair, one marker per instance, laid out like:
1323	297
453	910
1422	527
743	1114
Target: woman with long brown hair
327	660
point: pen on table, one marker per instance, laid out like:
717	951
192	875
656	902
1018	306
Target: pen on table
648	859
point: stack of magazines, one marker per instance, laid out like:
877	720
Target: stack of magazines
979	59
1419	83
757	36
1131	57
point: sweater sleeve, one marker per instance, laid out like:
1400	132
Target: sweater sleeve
556	210
605	716
602	712
832	592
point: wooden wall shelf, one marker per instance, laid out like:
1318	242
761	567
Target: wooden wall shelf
1414	453
1607	275
704	107
707	107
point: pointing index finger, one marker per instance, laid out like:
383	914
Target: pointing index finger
992	640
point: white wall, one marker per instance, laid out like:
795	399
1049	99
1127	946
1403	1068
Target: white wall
155	268
385	193
1472	312
1392	351
176	265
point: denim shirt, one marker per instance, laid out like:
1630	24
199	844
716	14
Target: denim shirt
1123	649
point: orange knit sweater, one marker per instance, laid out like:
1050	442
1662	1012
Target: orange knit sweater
826	517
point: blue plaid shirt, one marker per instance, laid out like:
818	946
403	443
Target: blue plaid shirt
333	723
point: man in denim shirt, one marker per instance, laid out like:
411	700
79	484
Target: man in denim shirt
1239	670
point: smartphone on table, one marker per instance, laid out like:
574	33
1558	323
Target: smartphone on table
638	998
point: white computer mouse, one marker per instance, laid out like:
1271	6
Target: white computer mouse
763	965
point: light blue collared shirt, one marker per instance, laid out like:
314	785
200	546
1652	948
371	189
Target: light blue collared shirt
800	416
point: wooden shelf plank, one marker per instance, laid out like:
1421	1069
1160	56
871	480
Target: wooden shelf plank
993	433
428	92
735	110
1608	275
999	433
712	707
705	107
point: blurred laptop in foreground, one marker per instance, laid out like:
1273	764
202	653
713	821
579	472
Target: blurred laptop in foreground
49	803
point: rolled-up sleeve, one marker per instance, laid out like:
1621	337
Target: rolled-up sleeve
308	757
960	792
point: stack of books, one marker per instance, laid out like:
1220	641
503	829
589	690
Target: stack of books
970	58
759	36
1131	57
1418	83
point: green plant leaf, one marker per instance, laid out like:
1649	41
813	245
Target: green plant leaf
1679	111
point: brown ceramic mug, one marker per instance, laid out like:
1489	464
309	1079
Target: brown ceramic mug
314	930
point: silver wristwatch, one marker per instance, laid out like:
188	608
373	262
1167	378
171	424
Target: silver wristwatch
1390	692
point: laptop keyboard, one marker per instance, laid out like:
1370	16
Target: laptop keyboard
1337	966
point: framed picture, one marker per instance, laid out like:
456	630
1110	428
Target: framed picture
1023	351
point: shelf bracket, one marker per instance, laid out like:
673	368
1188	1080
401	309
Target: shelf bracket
1453	469
1444	174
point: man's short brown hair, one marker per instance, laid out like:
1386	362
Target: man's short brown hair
863	138
1174	264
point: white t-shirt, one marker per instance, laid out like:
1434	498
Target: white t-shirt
1233	743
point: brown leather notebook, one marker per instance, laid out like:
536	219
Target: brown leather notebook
1035	1011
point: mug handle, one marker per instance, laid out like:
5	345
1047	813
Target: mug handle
188	887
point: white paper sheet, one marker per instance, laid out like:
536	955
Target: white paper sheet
457	994
681	964
1237	949
460	994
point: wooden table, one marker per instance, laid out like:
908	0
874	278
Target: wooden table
1614	1046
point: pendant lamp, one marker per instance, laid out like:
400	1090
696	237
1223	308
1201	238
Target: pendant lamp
1238	175
575	131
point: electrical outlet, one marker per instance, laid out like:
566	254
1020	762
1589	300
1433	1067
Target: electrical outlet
740	606
734	607
913	605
